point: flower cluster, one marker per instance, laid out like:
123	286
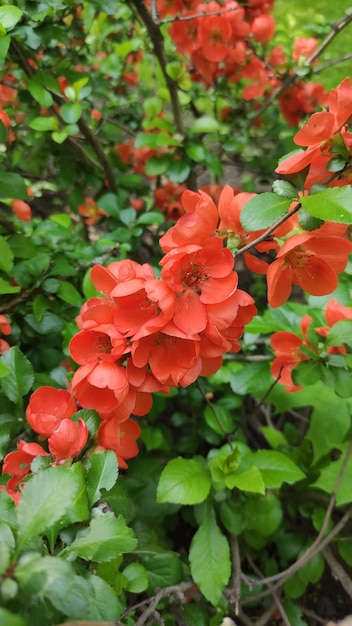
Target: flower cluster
149	334
230	39
291	350
325	136
49	414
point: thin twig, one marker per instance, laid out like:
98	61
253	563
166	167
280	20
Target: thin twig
268	232
236	573
167	592
338	571
185	18
157	40
290	78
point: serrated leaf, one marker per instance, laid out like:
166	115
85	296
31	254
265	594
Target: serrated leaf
102	605
285	189
21	377
276	468
333	204
45	500
250	480
101	474
183	481
263	210
162	570
209	557
7	510
103	540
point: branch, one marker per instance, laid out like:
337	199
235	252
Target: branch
167	592
338	571
288	79
268	232
157	40
318	544
184	18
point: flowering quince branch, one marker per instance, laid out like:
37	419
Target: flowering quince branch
156	37
185	18
268	232
291	77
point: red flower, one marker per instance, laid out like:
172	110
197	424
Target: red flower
263	28
47	408
5	326
18	463
214	35
22	210
68	440
103	342
101	386
310	261
91	211
288	355
200	275
112	435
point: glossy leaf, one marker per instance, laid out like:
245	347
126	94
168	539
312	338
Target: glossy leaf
263	210
183	481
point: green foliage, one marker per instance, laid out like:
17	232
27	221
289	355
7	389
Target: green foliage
107	128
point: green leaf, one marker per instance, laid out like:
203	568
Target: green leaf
329	475
68	293
109	203
6	256
5	41
59	137
162	570
45	500
340	333
6	287
183	481
44	124
151	217
262	514
249	479
263	210
103	540
307	373
49	323
12	186
102	473
157	165
209	557
285	189
275	438
7	510
21	377
137	579
71	112
205	124
36	87
9	619
276	468
155	140
9	16
333	204
179	170
102	604
307	221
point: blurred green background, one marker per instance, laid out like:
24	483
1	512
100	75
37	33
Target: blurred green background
315	18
